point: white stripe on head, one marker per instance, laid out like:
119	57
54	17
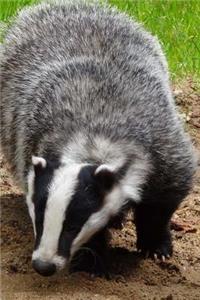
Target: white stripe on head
29	197
61	191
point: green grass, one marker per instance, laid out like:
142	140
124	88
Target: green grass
175	22
177	25
9	7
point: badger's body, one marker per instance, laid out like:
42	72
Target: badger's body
86	91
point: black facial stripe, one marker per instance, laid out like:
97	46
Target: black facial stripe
39	220
43	177
65	240
86	200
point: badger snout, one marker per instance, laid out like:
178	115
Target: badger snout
43	268
47	264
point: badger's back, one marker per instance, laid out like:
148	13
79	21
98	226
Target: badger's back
68	70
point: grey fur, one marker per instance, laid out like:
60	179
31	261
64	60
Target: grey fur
78	69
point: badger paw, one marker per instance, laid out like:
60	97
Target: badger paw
158	251
94	266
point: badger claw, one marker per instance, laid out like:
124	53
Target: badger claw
163	258
155	256
159	250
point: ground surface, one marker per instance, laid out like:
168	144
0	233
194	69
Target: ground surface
131	276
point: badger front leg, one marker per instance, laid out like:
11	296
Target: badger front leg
153	228
92	257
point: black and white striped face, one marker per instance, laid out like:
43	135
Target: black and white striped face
68	205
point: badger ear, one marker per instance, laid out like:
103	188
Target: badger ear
105	176
39	162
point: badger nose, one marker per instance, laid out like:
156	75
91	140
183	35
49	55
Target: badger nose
44	268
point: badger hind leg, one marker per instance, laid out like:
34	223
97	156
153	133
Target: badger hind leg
152	220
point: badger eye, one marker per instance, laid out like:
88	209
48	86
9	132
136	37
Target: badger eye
88	187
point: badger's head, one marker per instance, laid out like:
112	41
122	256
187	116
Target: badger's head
68	204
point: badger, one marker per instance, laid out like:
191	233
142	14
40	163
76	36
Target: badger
89	126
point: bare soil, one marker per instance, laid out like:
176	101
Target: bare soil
131	276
